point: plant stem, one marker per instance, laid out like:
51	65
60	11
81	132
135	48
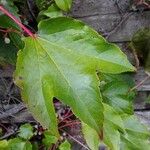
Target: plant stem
17	21
139	84
70	124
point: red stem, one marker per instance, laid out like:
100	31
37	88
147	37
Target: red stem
16	21
70	124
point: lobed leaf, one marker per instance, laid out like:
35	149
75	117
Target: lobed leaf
62	62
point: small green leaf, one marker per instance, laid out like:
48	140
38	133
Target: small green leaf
26	131
91	137
53	11
4	145
49	139
65	146
18	144
64	4
8	52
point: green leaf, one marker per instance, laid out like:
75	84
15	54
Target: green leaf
111	136
8	52
5	21
115	89
91	137
49	139
18	144
136	135
62	62
26	131
4	145
64	4
113	125
53	11
112	116
65	146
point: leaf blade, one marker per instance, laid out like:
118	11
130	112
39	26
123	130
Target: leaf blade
64	4
62	68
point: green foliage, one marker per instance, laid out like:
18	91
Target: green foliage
121	130
116	92
52	12
64	4
26	131
43	4
8	52
60	67
136	135
21	142
18	144
70	61
3	145
5	21
49	139
65	146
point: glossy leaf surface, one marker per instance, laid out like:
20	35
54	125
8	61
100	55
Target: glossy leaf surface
62	62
